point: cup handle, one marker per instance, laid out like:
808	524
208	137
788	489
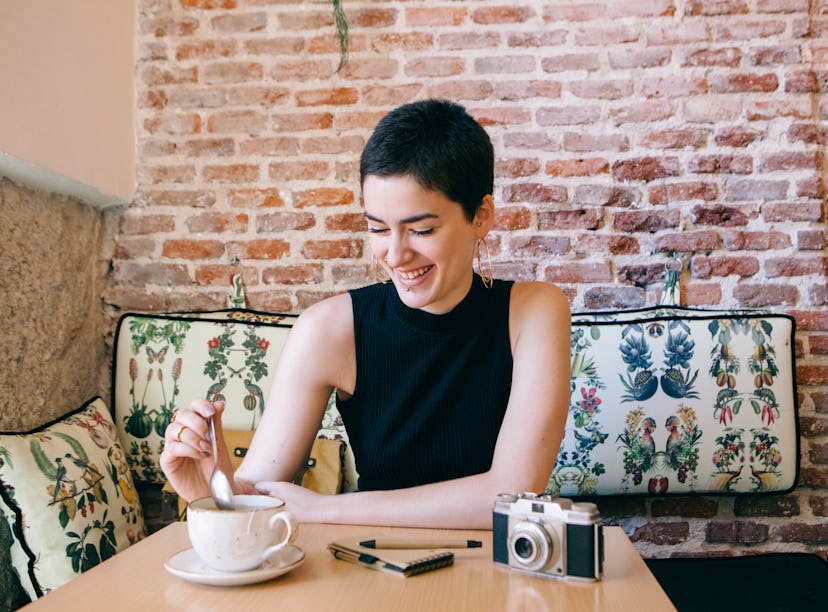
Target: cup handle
292	529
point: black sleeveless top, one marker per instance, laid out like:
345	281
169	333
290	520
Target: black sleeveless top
431	390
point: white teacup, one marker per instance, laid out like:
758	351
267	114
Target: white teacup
241	539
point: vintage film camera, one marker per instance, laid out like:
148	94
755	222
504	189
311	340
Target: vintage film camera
547	536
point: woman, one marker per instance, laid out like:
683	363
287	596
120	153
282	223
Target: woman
452	388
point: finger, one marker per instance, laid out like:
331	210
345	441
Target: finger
179	433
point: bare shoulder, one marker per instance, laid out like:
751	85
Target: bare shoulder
330	321
532	298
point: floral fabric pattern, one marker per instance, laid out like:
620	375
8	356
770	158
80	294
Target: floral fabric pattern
69	496
672	400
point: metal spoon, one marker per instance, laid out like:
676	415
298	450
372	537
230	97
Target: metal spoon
220	487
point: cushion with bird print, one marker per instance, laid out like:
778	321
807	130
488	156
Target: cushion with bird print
675	400
163	361
68	495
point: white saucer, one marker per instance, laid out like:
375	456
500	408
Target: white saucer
188	565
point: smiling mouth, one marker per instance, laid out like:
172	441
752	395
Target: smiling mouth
414	274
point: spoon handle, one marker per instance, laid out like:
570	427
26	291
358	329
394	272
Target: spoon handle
213	439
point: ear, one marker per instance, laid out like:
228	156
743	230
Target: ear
484	217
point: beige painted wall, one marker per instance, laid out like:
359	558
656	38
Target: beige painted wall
67	101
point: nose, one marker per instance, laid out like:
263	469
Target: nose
397	250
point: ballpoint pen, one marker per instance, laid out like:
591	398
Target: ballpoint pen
422	544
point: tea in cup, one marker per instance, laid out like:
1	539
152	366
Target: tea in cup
241	539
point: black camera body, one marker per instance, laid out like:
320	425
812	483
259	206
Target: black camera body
546	536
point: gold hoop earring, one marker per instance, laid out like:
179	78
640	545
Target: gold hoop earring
379	272
488	281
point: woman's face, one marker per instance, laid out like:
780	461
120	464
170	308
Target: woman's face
423	240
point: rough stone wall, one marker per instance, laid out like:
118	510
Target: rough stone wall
53	264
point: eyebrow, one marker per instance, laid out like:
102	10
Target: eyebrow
407	220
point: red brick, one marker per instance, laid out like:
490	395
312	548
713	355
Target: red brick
501	116
533	193
332	249
221	275
810	240
687	241
641	275
267	97
601	90
235	72
736	137
578	273
436	16
605	195
530	140
726	56
534	246
802	532
346	222
372	68
606	35
301	70
255	198
210	147
665	533
185	123
792	211
701	294
260	248
762	295
244	122
721	164
613	298
373	17
743	83
324	196
580	142
720	215
166	174
568	115
802	82
304	274
521	90
811	320
133	223
192	249
240	23
408	41
812	187
577	167
791	160
585	219
755	190
274	223
571	61
214	222
769	110
625	59
172	76
236	173
646	220
673	87
275	45
208	4
502	14
187	199
682	192
378	95
705	267
807	133
736	532
674	139
271	301
327	97
645	168
270	146
747	30
613	244
696	507
516	167
205	49
511	65
298	171
549	38
795	266
512	218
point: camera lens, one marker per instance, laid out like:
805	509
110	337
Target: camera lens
524	548
531	546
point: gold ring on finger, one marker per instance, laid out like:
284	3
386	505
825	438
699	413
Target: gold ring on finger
180	431
174	414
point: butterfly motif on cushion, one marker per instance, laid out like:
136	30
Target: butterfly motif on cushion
156	355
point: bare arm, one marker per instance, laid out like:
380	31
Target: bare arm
526	448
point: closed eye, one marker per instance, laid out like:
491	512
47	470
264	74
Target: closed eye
423	232
377	230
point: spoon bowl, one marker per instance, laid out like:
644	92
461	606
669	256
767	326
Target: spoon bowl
220	488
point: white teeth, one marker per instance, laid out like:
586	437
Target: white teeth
415	274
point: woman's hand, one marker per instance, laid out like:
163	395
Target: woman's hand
306	505
187	460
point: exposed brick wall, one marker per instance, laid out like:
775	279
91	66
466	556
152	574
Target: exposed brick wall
626	133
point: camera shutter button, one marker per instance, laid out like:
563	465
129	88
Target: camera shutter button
585	507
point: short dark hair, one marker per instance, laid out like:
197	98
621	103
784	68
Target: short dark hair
438	144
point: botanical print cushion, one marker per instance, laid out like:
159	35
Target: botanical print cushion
675	400
68	494
164	361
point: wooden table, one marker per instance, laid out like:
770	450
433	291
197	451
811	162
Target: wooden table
135	579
